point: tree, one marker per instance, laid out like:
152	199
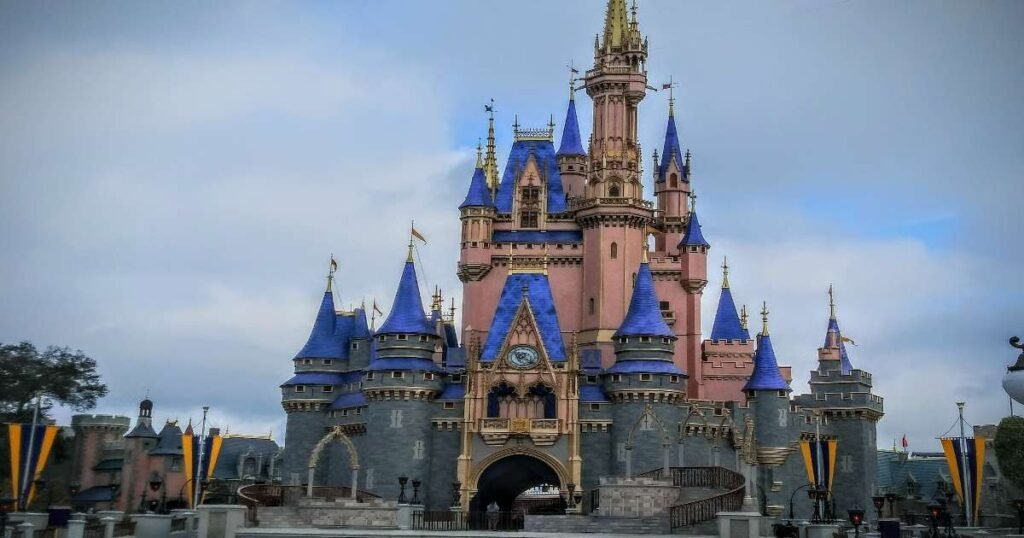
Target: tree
59	375
1009	445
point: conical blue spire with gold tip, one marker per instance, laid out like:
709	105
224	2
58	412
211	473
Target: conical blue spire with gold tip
767	375
834	337
407	316
693	236
644	315
479	193
727	324
322	342
671	152
571	143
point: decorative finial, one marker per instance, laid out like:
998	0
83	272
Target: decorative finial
644	253
671	96
686	161
511	260
515	126
654	168
572	80
743	317
693	201
546	258
451	311
764	318
373	315
551	128
479	153
330	272
725	272
831	303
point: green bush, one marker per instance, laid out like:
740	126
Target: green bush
1009	445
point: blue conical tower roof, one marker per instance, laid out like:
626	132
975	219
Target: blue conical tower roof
407	314
766	374
671	152
644	315
727	324
479	194
693	237
322	342
571	143
360	328
834	338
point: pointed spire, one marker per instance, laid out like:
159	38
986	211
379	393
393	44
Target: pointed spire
479	155
727	325
407	314
330	273
766	375
671	152
479	195
571	143
831	303
616	25
693	236
644	315
491	161
322	343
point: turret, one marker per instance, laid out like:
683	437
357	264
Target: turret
693	252
729	353
671	185
832	356
144	424
398	387
644	383
572	158
477	214
768	392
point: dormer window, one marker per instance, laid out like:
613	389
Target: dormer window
529	219
300	388
327	388
328	362
403	337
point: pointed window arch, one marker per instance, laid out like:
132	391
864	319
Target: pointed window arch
613	191
591	306
673	180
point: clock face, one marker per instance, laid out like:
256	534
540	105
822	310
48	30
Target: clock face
522	357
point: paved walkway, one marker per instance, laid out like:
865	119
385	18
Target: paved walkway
324	533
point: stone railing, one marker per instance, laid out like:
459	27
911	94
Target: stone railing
542	431
693	512
584	203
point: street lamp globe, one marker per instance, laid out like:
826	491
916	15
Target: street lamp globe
1013	381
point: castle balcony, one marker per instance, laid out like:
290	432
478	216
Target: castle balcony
542	431
585	203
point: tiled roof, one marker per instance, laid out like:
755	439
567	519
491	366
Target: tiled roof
479	194
727	324
349	400
453	391
318	378
406	314
592	394
544	152
571	143
142	429
169	441
537	236
233	448
322	342
590	360
671	152
766	374
693	237
360	328
538	293
644	367
644	315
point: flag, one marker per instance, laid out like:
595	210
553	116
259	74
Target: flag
846	339
905	443
666	86
20	436
953	450
418	235
190	453
809	450
377	308
334	264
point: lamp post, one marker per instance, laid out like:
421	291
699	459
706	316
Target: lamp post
819	494
856	517
416	491
40	485
1018	505
401	492
934	511
156	484
791	495
879	502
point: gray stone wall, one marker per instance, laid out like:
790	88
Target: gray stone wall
303	430
398	440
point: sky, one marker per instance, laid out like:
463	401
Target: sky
174	177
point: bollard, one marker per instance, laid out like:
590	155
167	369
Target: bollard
108	526
76	528
27	529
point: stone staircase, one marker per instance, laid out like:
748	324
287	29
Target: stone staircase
279	517
577	524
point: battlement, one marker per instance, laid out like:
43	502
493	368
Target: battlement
841	400
100	421
819	377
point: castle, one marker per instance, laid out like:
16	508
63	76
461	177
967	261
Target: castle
580	354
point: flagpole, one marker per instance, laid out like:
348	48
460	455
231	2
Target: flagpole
817	449
968	493
197	482
23	495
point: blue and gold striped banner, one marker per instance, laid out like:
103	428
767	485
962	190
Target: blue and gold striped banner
809	450
23	462
190	452
953	449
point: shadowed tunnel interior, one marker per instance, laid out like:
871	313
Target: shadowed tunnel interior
506	478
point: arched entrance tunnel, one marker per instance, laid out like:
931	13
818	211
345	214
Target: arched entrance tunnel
506	478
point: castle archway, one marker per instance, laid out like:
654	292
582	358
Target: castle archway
503	479
314	458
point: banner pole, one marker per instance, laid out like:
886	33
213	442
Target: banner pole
197	482
23	494
966	471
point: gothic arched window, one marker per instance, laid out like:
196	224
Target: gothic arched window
591	306
545	396
613	191
615	250
498	395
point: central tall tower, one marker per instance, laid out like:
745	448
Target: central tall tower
612	213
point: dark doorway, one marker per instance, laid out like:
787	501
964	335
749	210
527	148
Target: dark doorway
506	478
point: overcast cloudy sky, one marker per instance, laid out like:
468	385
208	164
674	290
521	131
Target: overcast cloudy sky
174	176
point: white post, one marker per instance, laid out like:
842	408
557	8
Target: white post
682	446
22	495
27	529
667	472
76	528
309	482
108	526
197	483
355	481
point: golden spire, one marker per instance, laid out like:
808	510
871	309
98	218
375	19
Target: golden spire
831	303
511	260
616	24
330	272
743	317
408	258
643	254
546	258
764	318
491	161
725	273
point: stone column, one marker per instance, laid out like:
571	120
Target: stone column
667	472
749	474
76	526
108	526
309	482
629	462
355	482
682	446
